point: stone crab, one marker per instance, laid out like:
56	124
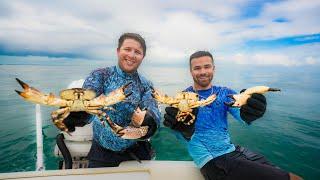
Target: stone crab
185	102
239	100
134	130
76	100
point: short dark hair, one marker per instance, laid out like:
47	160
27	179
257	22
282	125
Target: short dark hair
133	36
200	54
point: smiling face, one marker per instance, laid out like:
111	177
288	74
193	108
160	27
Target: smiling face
202	70
130	55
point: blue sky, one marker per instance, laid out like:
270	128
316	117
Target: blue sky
284	41
268	32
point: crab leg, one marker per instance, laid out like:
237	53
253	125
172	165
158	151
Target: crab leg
97	112
97	107
33	95
58	116
205	102
239	100
164	99
182	116
129	132
112	98
126	133
116	128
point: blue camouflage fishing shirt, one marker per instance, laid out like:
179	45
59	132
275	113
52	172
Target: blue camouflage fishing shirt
105	80
211	138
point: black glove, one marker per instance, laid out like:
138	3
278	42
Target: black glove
254	109
151	122
171	122
76	119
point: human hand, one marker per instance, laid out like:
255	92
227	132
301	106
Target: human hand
138	117
254	109
76	119
171	122
149	121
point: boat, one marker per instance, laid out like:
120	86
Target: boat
147	170
74	147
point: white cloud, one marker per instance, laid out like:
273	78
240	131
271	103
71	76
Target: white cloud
302	19
264	59
311	60
173	29
291	56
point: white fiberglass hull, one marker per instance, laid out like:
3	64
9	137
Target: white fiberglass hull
132	170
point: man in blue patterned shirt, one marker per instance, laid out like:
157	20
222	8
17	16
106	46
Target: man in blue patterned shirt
107	148
208	139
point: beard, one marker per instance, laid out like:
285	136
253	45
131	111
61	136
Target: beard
203	80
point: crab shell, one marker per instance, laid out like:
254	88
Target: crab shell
185	102
69	94
72	100
78	98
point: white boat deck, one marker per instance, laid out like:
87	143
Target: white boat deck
131	170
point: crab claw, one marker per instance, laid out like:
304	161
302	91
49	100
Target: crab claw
19	92
34	95
274	89
25	87
120	133
23	84
131	132
241	99
260	90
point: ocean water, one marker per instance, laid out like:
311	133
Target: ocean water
288	134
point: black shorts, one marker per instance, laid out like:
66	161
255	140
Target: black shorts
101	157
242	164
